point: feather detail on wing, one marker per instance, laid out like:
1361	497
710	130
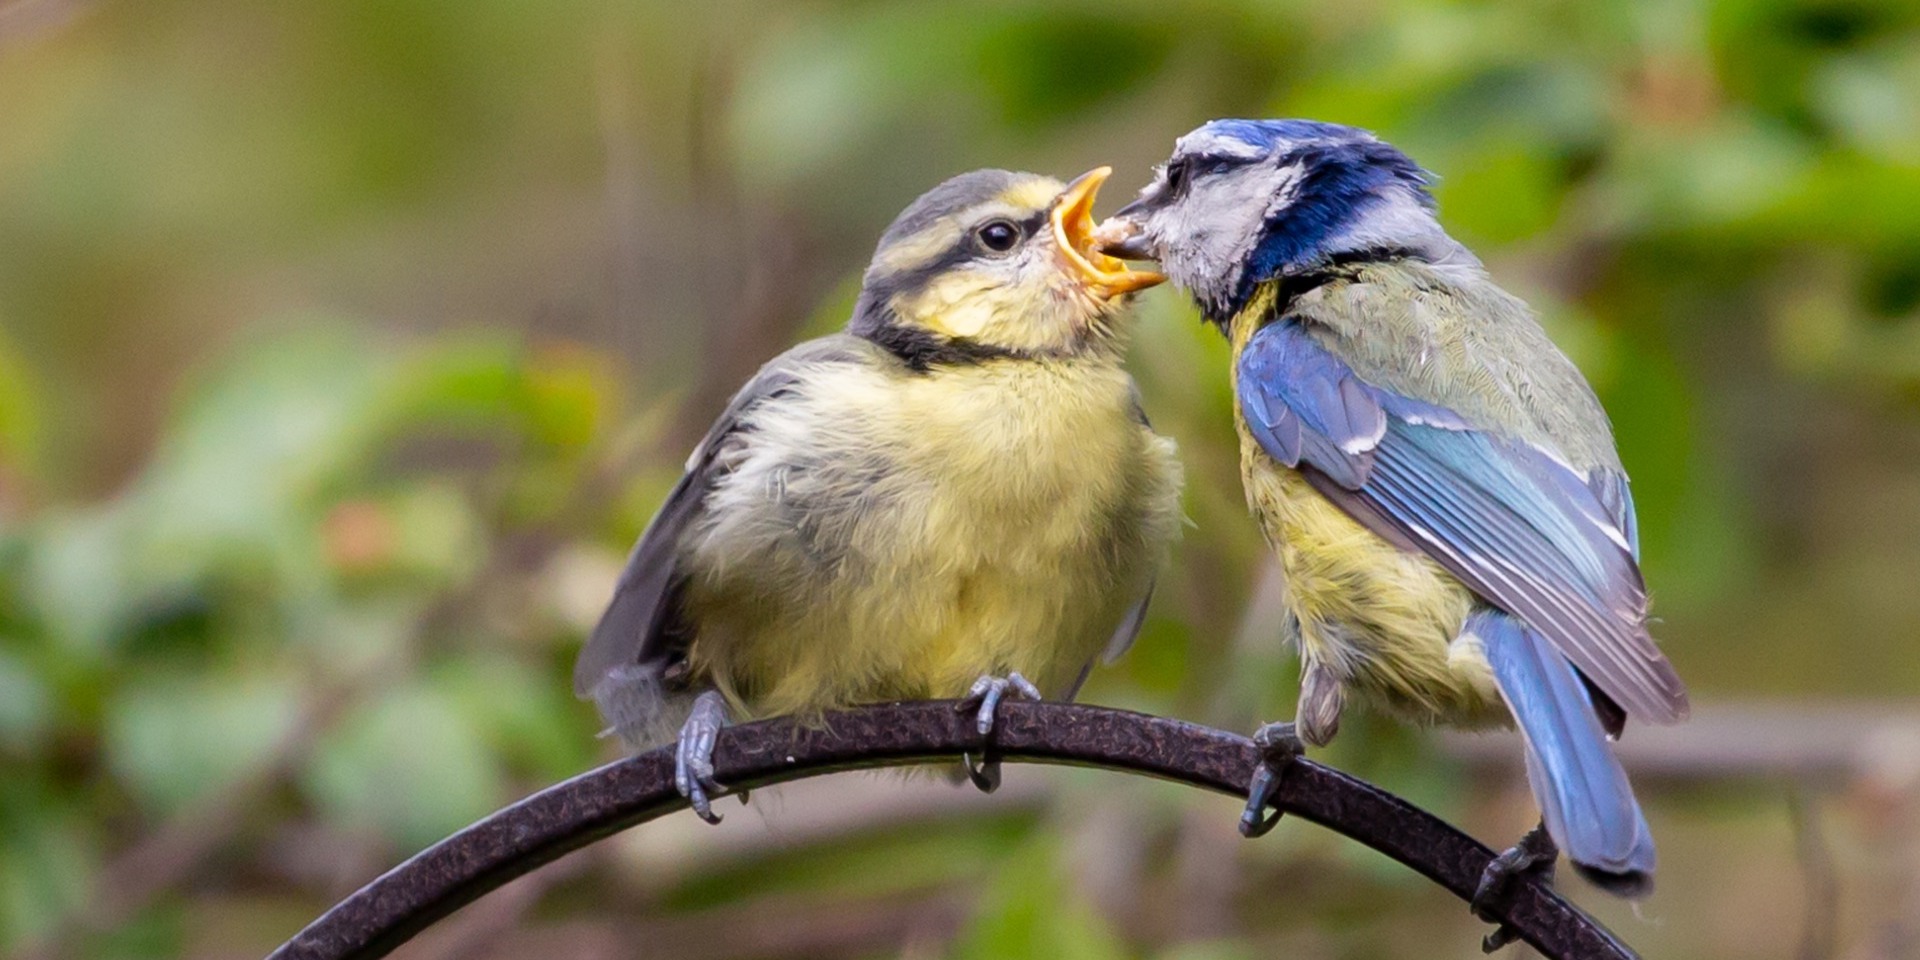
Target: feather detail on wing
1513	521
636	638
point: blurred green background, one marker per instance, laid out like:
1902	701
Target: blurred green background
346	345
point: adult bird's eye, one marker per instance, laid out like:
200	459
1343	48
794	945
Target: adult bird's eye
1176	176
998	236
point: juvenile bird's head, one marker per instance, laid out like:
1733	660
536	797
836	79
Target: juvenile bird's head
1241	202
995	264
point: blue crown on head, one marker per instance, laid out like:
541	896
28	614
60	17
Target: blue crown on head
1344	170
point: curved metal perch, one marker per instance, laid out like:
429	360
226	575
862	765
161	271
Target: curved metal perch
567	816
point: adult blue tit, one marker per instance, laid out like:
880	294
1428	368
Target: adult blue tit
957	495
1438	480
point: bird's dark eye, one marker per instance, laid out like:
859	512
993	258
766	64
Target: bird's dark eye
998	236
1177	176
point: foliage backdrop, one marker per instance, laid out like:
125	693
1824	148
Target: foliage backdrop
345	345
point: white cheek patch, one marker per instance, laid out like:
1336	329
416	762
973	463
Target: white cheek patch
985	300
1283	188
1212	232
968	318
955	305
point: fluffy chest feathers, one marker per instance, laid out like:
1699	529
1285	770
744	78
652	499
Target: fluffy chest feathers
1019	441
1011	467
883	465
891	533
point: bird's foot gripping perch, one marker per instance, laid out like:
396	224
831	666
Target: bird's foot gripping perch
1532	856
1279	745
693	755
984	700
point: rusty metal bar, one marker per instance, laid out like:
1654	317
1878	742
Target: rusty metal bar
569	815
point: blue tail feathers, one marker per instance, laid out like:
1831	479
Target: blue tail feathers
1584	797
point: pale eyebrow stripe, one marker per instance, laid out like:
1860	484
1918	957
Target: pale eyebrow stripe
939	238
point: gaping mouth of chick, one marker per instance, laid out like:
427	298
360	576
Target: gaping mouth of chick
1072	219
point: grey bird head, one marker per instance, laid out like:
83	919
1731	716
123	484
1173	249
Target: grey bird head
1242	202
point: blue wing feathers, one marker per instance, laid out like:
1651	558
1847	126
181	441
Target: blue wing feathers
1277	424
1616	498
1520	528
1309	407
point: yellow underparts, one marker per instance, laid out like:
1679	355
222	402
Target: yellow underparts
1384	621
970	519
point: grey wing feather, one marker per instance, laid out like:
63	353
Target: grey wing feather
632	621
1118	644
639	628
1129	628
1136	615
1616	497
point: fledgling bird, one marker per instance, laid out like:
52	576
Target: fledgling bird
1438	480
957	496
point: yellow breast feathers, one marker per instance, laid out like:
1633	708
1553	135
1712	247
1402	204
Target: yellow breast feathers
1006	517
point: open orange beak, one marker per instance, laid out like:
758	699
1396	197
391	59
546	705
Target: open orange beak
1072	219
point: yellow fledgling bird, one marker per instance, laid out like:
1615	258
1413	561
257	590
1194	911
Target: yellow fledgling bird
959	495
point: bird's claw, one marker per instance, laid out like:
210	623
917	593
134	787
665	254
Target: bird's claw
693	755
984	701
988	691
985	775
1533	856
1279	746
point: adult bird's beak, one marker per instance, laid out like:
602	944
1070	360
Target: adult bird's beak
1120	236
1073	234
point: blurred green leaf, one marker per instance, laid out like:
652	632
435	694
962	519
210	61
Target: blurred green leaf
527	721
1032	910
78	578
46	861
413	766
254	442
886	859
1501	194
178	740
1048	64
21	418
26	707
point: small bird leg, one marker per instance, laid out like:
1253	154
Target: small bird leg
1322	697
1279	746
1532	856
984	698
693	754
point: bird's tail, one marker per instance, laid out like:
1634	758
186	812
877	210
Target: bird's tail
637	706
1584	797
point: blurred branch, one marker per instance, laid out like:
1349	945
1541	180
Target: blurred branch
390	910
1816	743
1820	927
